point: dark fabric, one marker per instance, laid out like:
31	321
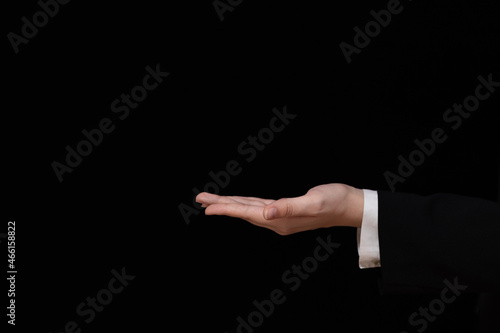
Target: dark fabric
425	240
489	312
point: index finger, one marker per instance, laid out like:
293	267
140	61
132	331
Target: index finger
238	210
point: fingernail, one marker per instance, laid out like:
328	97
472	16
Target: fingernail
271	213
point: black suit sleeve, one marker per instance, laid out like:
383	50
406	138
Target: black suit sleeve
425	240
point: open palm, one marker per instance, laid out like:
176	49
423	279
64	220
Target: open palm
321	207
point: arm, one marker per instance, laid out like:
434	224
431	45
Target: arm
424	240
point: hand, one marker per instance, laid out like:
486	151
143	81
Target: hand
322	206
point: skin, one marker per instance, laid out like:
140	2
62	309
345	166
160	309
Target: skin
323	206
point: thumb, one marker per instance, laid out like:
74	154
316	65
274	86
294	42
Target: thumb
287	207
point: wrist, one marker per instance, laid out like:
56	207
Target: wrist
354	207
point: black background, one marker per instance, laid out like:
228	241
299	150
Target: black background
119	207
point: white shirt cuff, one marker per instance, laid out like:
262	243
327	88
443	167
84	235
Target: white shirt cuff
368	245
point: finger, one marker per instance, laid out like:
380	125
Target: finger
209	199
242	211
253	199
290	207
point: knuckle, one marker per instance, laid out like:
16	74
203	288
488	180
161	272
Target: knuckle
320	204
317	203
289	209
